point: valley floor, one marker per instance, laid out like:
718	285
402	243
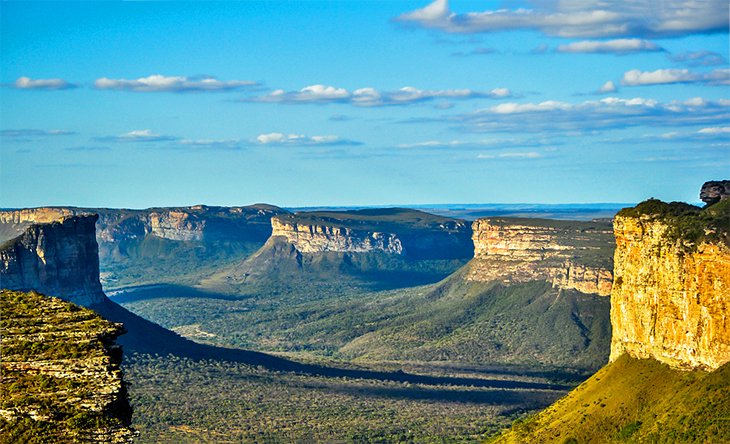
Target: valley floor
183	400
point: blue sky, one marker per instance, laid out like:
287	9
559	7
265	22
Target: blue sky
135	104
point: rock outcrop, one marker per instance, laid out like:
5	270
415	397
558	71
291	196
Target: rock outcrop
570	255
59	257
669	303
61	377
398	231
320	238
715	191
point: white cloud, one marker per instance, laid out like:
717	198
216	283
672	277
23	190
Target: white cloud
591	115
212	143
144	135
512	155
587	18
715	130
372	97
160	83
26	134
607	87
49	84
282	139
636	77
618	46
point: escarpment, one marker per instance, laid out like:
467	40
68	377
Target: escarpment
671	295
320	238
409	233
61	377
59	257
570	255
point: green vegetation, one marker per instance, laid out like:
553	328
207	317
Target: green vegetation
153	260
58	379
690	224
183	400
453	321
633	400
374	219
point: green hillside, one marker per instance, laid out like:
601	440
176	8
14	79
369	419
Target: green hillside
637	401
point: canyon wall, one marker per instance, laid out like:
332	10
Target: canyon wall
58	258
669	302
570	255
319	238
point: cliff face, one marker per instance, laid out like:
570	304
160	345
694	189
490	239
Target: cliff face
570	255
61	376
318	239
668	303
408	233
59	257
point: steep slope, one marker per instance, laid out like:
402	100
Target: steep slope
375	248
670	372
61	380
58	257
637	401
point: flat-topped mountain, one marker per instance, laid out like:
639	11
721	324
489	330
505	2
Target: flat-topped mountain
58	257
401	231
374	247
669	374
569	254
175	244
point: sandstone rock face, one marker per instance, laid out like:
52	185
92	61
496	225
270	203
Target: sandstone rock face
318	239
176	225
715	191
58	258
570	255
667	303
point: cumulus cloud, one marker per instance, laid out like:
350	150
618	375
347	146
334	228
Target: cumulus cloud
47	84
589	18
160	83
608	87
322	94
592	115
144	135
281	139
636	77
618	46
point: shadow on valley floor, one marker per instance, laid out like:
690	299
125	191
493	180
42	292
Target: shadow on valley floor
144	336
163	291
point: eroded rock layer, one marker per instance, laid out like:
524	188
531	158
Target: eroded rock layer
669	302
61	377
59	257
570	255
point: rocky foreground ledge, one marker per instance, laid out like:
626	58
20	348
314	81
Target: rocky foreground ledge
61	380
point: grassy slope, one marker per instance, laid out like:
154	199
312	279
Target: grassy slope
633	400
454	320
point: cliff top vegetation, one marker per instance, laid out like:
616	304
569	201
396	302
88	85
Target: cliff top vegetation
688	223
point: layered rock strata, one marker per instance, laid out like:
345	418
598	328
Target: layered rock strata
570	255
318	238
667	303
59	258
62	380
